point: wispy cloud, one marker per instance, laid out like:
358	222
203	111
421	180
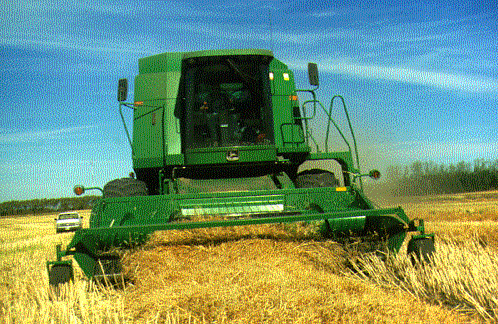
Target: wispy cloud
8	137
76	43
467	83
379	41
324	14
444	80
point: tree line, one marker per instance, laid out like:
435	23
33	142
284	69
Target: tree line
423	178
41	206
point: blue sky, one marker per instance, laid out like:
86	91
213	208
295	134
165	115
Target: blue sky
420	77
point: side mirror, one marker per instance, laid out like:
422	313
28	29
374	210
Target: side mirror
122	89
313	74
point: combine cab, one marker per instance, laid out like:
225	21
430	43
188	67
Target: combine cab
222	133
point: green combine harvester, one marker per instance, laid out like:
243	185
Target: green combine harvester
221	134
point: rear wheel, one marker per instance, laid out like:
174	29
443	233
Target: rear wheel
316	178
125	187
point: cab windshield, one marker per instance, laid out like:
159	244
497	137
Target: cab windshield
68	216
226	102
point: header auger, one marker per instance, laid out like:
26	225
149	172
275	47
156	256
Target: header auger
222	133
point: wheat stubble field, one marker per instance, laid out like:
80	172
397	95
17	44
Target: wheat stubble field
267	274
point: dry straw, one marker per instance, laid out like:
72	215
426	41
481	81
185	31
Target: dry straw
262	274
250	274
462	275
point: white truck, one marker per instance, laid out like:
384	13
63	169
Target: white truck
68	221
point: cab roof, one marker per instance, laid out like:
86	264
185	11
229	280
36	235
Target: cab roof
228	52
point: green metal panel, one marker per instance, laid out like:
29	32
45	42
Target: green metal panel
86	262
149	87
148	134
219	155
112	212
277	65
346	225
93	240
283	83
120	212
172	125
160	63
283	92
156	131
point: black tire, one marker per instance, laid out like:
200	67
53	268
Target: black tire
125	187
60	274
316	178
421	249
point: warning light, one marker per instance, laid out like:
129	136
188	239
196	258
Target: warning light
293	98
286	77
138	103
79	190
271	76
374	174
